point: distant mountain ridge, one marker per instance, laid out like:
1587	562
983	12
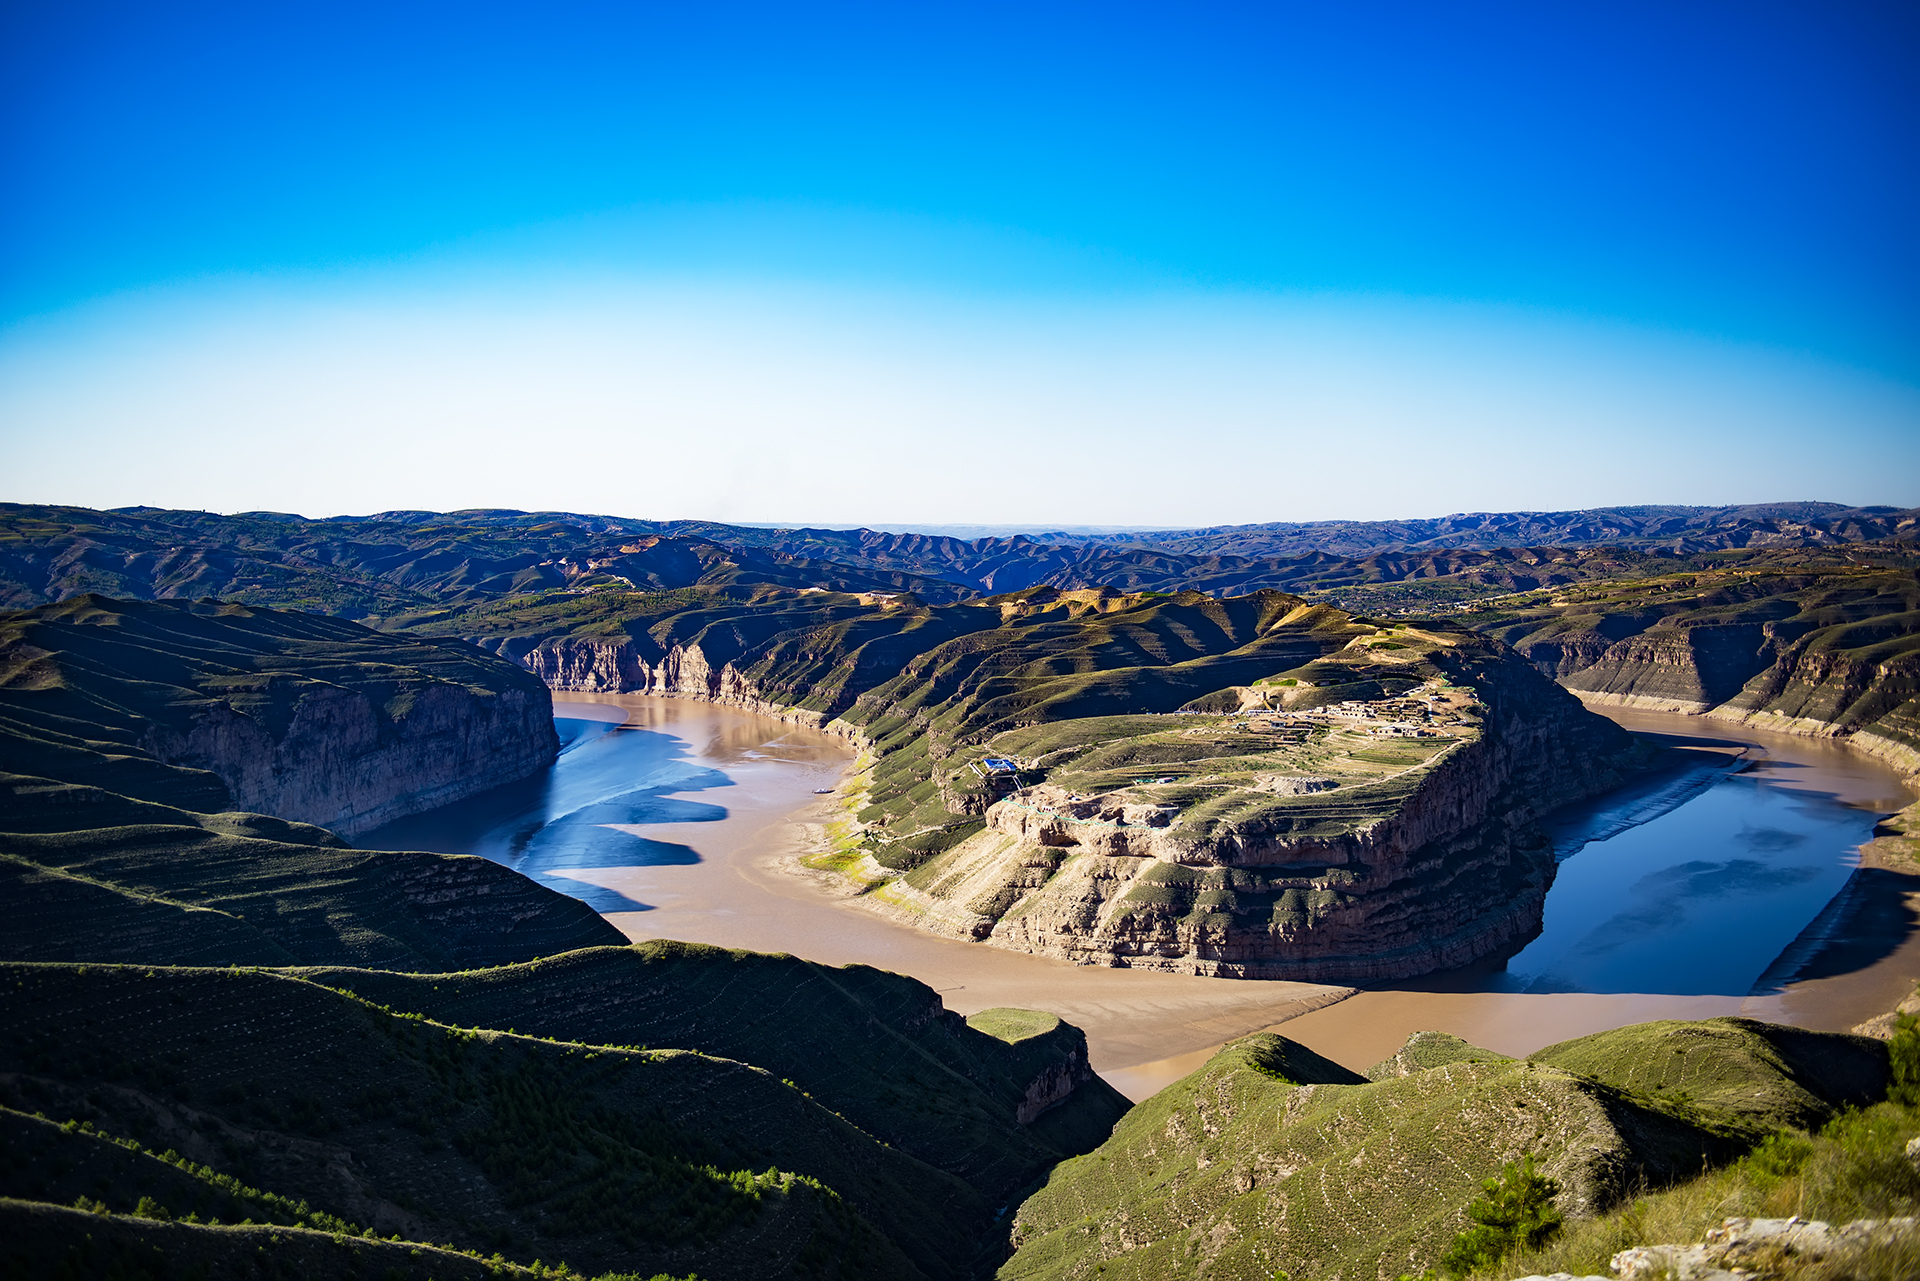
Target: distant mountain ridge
396	564
1678	529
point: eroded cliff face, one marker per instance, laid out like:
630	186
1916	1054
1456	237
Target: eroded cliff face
1831	650
594	666
1428	869
306	718
1769	675
344	762
1870	696
1682	669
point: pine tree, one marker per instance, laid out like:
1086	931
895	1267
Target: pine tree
1516	1211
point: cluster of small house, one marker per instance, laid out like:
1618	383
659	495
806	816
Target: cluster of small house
1390	717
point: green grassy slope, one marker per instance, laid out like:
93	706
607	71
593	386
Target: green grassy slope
169	887
876	1047
663	1160
1260	1162
116	849
1759	1076
1854	1167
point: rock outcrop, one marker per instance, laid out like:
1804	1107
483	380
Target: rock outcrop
1373	876
1828	650
306	718
1741	1248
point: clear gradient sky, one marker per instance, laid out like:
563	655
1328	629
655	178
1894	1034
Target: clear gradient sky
1035	263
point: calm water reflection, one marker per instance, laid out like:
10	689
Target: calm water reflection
1700	899
1689	883
612	781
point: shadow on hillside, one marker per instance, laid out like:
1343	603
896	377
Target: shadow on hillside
598	897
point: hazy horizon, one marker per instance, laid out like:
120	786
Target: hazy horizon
1038	266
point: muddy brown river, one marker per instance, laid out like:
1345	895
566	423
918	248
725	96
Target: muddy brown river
1675	898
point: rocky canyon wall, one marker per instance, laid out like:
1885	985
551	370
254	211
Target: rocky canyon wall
302	717
1359	883
346	762
591	665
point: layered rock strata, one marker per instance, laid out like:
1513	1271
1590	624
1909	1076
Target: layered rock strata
1681	669
310	719
1829	651
1430	868
346	762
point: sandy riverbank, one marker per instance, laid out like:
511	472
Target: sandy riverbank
747	889
1862	960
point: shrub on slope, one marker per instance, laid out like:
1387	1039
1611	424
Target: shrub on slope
1250	1165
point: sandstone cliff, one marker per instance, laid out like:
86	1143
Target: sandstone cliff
1419	852
1830	650
306	718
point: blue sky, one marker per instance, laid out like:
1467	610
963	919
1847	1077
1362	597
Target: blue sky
546	252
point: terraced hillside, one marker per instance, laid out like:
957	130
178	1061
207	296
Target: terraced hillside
1779	640
873	1134
1367	811
1269	1160
994	1108
354	1119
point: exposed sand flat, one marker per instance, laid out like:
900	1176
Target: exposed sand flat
1147	1029
746	891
